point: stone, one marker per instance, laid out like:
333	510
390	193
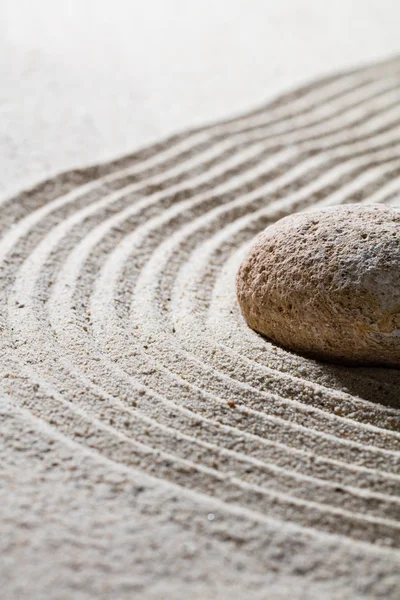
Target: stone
327	284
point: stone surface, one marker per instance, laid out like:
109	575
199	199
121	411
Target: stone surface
327	284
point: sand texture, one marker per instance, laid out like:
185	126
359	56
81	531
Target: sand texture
153	445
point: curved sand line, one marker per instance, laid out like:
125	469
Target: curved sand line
122	335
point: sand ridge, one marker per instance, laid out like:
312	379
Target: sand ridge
121	333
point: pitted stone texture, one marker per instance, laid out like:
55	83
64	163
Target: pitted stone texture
327	284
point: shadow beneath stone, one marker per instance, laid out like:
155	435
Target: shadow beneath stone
379	385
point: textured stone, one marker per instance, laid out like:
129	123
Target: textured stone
327	284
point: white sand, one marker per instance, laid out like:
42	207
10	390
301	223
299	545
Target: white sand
151	444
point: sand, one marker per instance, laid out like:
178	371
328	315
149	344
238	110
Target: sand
152	444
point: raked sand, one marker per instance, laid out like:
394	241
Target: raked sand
152	445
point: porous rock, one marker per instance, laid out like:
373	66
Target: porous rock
327	284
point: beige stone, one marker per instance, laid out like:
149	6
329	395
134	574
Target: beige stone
327	284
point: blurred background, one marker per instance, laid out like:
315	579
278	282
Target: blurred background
87	80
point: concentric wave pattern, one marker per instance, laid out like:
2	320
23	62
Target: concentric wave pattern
121	329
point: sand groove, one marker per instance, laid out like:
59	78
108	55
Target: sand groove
121	330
